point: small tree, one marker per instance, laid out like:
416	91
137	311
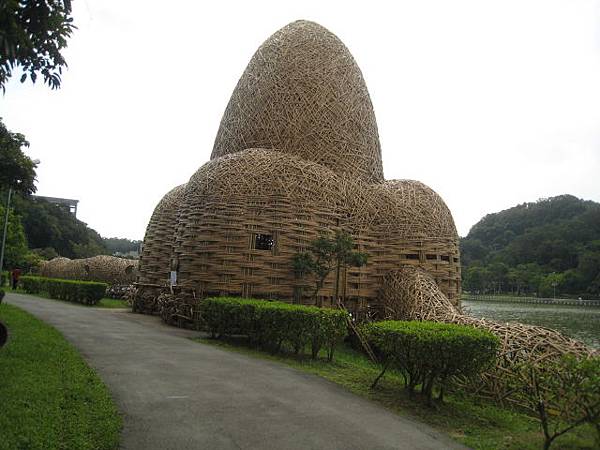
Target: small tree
563	393
326	254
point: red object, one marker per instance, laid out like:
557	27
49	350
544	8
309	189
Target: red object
16	273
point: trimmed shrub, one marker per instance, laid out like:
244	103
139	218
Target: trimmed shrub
85	292
429	353
32	285
4	277
275	324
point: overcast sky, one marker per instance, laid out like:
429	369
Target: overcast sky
490	103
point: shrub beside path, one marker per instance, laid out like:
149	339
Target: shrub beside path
178	394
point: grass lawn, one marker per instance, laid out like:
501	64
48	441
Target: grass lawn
477	423
49	397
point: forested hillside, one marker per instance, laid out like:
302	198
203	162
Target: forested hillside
53	231
536	248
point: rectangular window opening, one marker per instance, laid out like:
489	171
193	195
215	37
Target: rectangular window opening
264	242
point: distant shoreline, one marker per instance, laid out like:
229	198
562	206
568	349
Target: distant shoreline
531	300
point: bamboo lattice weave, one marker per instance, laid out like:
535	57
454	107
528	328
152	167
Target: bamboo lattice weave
410	293
103	268
303	99
304	94
159	238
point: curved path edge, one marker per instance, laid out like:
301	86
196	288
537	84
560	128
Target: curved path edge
178	394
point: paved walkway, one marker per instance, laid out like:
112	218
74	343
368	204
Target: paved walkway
178	394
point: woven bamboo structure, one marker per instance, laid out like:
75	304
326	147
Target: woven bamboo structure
103	268
297	154
303	94
411	293
157	250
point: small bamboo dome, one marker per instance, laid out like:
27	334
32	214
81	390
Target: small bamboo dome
102	268
110	269
159	238
60	267
404	222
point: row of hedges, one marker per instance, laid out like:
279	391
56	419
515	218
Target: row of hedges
275	324
429	353
86	292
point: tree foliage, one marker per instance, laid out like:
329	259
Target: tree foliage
15	251
32	35
17	170
53	230
121	245
563	394
535	248
430	353
327	254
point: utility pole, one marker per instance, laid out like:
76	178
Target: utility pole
35	164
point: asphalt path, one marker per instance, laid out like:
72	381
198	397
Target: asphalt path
178	394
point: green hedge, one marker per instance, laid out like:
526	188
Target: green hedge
4	278
275	324
86	292
429	353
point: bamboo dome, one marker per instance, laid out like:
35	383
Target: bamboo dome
297	153
412	210
110	269
157	249
233	202
402	222
61	267
304	94
102	268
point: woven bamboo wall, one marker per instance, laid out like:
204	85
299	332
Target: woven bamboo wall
303	94
103	268
157	249
233	198
63	268
257	191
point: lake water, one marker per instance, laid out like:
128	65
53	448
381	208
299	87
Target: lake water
577	322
